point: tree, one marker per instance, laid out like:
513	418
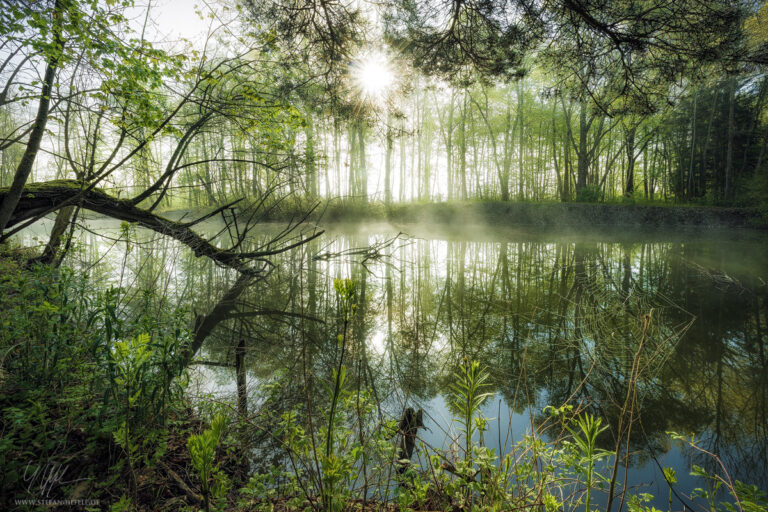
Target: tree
590	44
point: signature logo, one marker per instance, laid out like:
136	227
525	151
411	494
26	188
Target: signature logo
42	479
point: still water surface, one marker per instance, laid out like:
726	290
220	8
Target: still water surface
555	317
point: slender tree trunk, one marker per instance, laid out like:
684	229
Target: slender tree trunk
560	186
352	189
582	163
242	391
567	163
449	148
520	139
337	154
701	187
645	172
59	227
388	164
731	130
629	146
309	155
403	161
504	172
463	149
207	178
362	169
24	168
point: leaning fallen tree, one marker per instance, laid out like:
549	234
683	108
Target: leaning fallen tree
39	199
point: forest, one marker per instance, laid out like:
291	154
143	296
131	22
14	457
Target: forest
399	255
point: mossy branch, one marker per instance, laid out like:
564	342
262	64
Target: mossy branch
41	198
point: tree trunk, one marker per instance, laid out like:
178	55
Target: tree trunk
352	189
449	149
309	155
362	170
520	127
388	164
463	149
629	146
731	130
689	188
242	390
582	163
59	226
40	198
11	198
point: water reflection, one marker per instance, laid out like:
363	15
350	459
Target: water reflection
555	318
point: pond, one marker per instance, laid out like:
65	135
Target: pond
554	317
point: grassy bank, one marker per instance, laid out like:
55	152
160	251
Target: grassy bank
527	214
552	214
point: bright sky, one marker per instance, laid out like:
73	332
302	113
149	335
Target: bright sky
174	20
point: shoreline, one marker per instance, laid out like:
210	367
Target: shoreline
552	215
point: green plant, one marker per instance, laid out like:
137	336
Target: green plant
130	358
585	440
671	478
413	491
746	498
467	396
122	505
345	288
334	469
82	374
202	450
589	194
142	371
315	472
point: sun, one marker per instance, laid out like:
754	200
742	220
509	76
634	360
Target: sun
373	76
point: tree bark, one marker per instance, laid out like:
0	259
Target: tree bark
40	198
582	163
388	164
731	130
12	196
629	146
59	226
242	391
204	324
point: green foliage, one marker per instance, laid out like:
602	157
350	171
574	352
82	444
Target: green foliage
671	477
330	475
333	468
584	444
78	374
589	194
328	461
346	290
202	449
466	399
746	497
122	505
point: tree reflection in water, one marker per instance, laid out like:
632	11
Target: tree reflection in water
554	318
